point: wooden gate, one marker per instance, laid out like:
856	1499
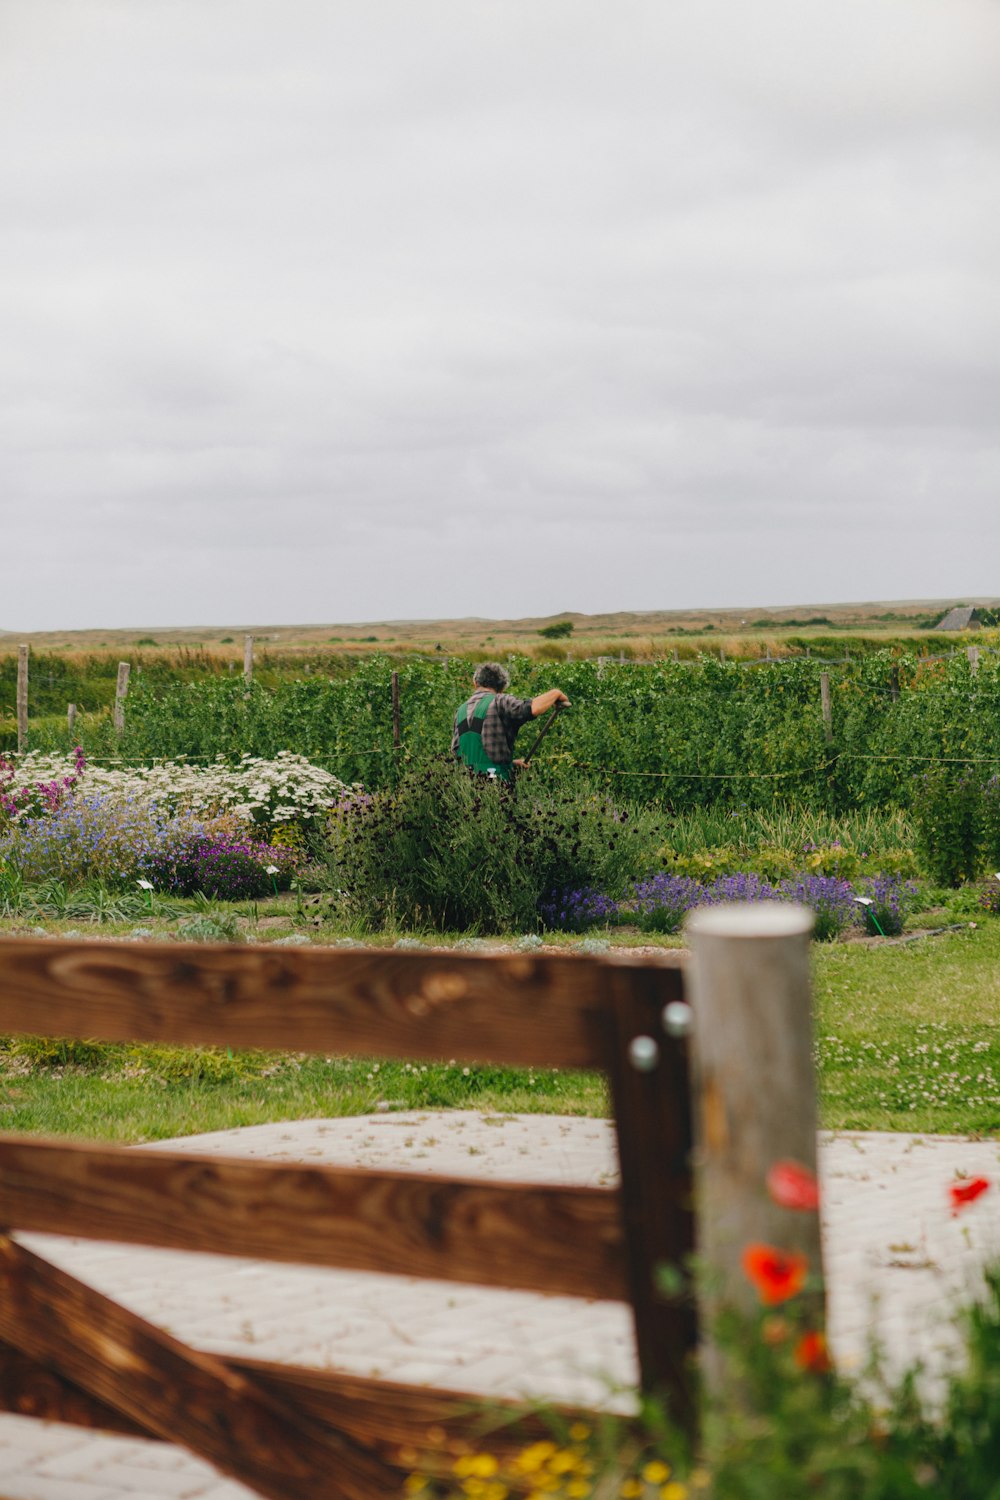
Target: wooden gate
69	1353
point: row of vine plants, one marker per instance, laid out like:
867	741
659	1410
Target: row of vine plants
680	734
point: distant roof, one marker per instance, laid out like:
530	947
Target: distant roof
959	619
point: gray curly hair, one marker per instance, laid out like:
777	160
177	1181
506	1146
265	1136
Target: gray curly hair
490	674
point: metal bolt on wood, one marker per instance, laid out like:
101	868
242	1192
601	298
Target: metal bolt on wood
677	1018
643	1053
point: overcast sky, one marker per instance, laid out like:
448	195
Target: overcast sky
332	310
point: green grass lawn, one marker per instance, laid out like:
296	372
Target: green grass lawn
907	1038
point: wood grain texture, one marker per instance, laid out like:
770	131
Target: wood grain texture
380	1414
406	1223
516	1010
756	1092
168	1389
654	1122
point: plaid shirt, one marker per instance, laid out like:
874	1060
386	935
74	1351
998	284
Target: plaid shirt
504	718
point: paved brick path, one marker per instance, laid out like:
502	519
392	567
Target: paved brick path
895	1261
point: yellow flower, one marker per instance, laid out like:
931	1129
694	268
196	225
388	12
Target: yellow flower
579	1432
655	1472
414	1483
475	1466
674	1491
562	1462
578	1489
530	1460
631	1489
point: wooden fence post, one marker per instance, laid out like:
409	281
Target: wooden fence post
827	707
71	718
755	1098
22	699
248	658
973	654
121	690
396	737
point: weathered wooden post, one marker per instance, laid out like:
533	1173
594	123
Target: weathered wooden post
22	699
824	698
71	718
248	658
396	736
755	1096
973	654
121	691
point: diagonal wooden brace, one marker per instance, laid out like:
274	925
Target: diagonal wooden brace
177	1393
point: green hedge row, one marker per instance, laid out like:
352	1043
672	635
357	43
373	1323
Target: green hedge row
684	734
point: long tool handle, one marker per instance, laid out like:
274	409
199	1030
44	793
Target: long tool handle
553	716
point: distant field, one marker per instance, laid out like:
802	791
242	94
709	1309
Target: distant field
642	634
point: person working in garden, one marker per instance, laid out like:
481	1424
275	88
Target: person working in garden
486	724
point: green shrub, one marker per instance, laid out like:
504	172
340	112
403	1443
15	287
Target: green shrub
948	814
451	850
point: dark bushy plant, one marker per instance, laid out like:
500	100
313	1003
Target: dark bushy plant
453	850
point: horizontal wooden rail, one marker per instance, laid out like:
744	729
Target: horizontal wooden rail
403	1223
517	1010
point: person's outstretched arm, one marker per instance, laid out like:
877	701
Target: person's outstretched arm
545	701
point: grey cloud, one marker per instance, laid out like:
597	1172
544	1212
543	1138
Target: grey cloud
689	297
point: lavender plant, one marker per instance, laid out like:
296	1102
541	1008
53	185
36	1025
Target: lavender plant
890	898
830	899
743	886
577	910
659	904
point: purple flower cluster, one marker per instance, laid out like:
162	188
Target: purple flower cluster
830	899
891	898
43	796
85	838
229	869
739	887
659	904
575	911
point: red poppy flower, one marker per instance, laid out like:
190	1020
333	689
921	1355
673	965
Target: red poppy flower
811	1353
966	1191
776	1274
793	1186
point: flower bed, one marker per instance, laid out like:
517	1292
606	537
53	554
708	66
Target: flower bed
661	902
